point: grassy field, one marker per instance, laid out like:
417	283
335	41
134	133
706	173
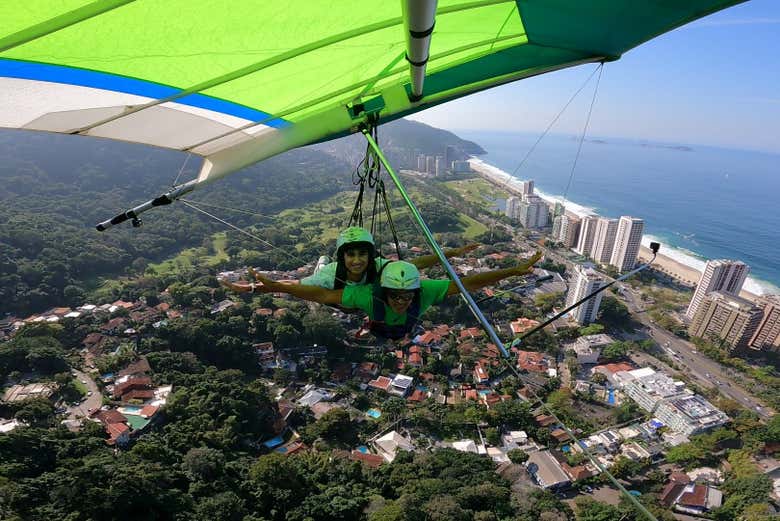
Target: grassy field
322	221
478	191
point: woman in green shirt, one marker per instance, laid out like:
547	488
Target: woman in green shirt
395	305
354	253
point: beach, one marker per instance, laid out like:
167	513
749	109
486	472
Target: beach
685	274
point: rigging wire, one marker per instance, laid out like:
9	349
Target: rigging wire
201	203
557	116
181	170
582	136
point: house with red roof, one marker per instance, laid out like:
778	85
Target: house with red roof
382	383
480	374
366	371
137	383
522	324
532	361
471	333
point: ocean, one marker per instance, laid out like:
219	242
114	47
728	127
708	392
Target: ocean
699	202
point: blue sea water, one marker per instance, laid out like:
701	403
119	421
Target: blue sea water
701	202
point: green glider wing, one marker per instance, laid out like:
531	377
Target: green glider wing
239	81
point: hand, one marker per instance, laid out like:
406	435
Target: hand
266	285
238	287
527	266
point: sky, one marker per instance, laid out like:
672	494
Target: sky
715	81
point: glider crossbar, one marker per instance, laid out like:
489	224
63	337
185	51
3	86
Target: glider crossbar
435	246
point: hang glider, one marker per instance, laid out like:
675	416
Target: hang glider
237	82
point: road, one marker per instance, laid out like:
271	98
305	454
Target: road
93	401
705	371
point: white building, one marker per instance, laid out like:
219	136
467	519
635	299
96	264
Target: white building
511	207
604	239
627	242
388	445
587	233
649	387
400	385
588	348
570	230
586	281
527	187
440	166
690	414
546	470
532	212
723	275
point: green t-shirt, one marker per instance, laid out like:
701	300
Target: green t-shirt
326	276
362	297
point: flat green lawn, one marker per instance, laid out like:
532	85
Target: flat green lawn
80	386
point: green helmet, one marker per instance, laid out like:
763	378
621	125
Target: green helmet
400	275
354	234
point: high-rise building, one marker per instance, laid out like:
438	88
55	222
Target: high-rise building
718	275
450	155
532	212
461	166
558	209
587	232
440	168
767	336
511	207
604	239
586	281
726	316
421	163
526	187
430	165
628	239
570	230
556	228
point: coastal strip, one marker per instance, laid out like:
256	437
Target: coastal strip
687	275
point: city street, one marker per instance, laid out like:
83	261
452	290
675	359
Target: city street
93	401
705	371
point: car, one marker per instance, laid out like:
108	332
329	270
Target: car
694	352
89	393
83	381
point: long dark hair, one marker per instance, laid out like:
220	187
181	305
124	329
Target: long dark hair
341	267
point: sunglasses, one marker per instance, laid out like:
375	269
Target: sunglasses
404	296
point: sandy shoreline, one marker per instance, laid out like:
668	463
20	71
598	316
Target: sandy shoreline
680	271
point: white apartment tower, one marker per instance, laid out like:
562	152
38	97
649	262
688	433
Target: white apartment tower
532	212
718	275
628	239
604	239
586	281
587	233
511	207
570	230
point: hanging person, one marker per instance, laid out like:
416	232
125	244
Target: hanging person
355	250
395	305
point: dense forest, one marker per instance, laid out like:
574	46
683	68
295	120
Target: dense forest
54	189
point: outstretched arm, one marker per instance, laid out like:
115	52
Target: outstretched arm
480	280
426	261
266	285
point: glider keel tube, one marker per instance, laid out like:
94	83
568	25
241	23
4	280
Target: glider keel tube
419	20
436	248
133	213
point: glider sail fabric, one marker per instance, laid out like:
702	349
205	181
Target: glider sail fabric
236	82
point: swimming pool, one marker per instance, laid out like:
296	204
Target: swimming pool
485	392
611	397
363	449
374	413
130	409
